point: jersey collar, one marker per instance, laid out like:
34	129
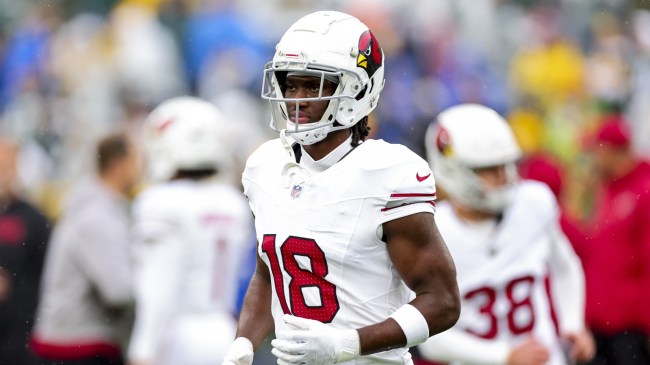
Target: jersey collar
328	161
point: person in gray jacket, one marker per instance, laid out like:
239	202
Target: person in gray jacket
85	309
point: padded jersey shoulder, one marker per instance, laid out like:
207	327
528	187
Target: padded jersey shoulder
379	155
539	197
270	150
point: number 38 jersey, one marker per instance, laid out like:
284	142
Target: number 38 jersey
321	235
502	271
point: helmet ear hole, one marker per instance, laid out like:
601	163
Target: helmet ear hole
362	93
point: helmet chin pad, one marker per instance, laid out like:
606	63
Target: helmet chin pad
307	135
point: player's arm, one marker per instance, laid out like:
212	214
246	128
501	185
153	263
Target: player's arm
452	346
568	294
255	320
421	258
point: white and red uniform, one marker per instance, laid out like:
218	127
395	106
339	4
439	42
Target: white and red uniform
502	270
320	233
190	241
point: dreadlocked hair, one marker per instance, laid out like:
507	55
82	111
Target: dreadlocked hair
360	131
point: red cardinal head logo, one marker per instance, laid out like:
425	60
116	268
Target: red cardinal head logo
443	142
370	57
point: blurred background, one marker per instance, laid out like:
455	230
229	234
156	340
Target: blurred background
71	71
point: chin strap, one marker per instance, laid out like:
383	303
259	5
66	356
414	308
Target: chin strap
293	173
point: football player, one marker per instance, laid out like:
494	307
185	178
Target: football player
351	268
518	275
191	232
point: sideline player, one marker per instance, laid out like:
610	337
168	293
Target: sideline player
510	252
190	234
351	267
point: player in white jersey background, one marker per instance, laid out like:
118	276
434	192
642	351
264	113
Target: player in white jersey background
516	269
351	267
191	232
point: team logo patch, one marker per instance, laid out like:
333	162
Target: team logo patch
370	56
296	191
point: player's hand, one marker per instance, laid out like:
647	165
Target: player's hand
529	352
315	343
240	352
583	347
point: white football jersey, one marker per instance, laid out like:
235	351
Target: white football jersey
190	239
321	235
502	271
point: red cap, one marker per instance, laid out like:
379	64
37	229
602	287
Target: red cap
613	130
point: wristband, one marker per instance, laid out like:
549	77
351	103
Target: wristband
413	323
350	346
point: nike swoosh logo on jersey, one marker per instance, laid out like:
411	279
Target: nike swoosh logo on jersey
421	178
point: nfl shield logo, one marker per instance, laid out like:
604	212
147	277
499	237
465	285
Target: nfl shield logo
296	191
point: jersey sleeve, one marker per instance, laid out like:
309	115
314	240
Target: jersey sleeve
453	344
255	167
567	283
412	192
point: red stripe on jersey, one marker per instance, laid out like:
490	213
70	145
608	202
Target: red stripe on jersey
411	195
399	206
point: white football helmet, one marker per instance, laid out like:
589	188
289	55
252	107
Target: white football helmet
333	46
184	133
466	137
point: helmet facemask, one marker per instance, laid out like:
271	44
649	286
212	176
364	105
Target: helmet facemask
466	187
275	75
496	199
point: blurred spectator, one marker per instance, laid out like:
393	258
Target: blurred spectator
434	69
617	250
191	236
549	66
607	69
23	236
83	314
224	48
147	60
25	55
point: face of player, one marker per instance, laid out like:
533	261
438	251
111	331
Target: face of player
307	87
493	177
